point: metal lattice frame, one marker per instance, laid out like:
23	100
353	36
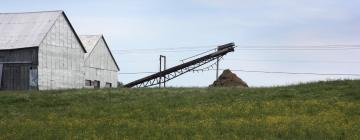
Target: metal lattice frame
173	75
181	69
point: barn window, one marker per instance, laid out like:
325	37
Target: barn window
108	85
96	84
88	83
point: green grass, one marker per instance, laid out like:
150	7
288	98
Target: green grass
322	110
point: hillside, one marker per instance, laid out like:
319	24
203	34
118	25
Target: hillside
322	110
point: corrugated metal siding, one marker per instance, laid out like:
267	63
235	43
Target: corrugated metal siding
100	65
22	30
61	58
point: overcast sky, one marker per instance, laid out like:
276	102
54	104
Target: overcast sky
145	24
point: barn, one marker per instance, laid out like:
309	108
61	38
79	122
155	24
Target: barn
40	50
99	64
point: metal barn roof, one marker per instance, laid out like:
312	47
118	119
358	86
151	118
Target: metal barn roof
28	29
22	30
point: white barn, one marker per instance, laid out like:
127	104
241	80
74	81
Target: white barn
41	50
100	66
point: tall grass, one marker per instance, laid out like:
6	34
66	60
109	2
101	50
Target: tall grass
322	110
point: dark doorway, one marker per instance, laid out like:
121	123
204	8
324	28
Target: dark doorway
15	77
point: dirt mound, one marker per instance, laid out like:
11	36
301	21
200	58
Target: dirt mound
229	79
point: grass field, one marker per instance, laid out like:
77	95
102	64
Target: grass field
322	110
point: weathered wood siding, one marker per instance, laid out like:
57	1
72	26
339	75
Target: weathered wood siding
16	77
19	55
61	58
100	66
16	67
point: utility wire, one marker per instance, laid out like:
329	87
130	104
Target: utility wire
173	48
295	73
268	72
253	47
263	46
156	51
208	67
131	73
198	54
249	47
239	59
285	61
297	49
256	50
300	46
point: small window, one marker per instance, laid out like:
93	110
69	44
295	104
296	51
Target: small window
108	85
96	84
88	83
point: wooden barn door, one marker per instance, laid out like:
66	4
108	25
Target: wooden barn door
15	77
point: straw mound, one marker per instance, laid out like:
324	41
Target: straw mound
229	79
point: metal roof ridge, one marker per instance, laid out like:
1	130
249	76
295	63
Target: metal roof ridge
34	12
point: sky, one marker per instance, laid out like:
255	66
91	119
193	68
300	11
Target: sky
205	24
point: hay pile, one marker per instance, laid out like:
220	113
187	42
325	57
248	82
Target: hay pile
229	79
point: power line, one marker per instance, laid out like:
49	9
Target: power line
170	48
260	61
267	72
244	46
198	54
296	73
158	51
257	49
285	61
131	73
297	49
308	46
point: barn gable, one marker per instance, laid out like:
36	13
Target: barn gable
61	57
98	53
100	66
89	42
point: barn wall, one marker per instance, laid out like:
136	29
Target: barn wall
100	66
61	58
101	75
